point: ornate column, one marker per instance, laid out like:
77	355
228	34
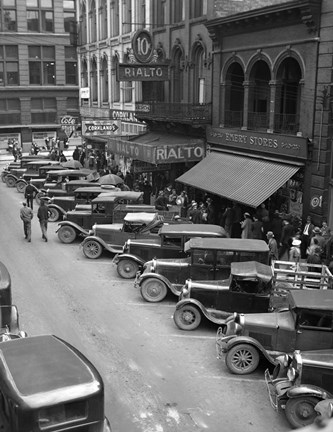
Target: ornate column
272	105
246	85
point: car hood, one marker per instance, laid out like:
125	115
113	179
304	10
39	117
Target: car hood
159	264
317	357
106	228
273	320
154	242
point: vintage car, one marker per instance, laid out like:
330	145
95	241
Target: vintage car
170	243
15	171
306	323
207	259
36	172
48	385
249	289
300	383
111	237
5	286
103	209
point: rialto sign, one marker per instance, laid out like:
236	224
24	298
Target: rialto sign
158	154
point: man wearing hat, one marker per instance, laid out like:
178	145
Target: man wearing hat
272	246
286	238
306	236
316	234
295	250
26	214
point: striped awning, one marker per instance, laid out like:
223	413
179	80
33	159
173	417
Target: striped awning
241	179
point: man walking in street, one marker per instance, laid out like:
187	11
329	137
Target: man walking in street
43	216
29	195
26	214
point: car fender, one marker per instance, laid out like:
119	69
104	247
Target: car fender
21	180
77	227
9	175
109	247
134	258
199	305
307	390
166	281
237	340
55	206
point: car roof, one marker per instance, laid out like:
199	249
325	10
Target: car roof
116	195
143	218
230	244
95	188
83	172
43	162
193	230
83	183
36	368
311	299
252	269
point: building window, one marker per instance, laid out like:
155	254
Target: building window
40	16
7	15
93	22
127	89
93	80
198	76
158	13
177	11
104	81
127	16
83	25
259	96
10	111
41	65
9	66
72	107
114	19
198	8
103	20
234	96
142	13
69	15
43	110
115	84
70	65
177	81
84	74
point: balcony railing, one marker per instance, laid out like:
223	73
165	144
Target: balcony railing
175	112
233	119
258	120
286	123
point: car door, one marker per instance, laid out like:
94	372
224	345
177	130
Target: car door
224	259
314	330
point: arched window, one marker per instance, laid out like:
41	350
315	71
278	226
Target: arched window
83	24
93	22
259	96
288	96
84	74
234	96
198	75
103	19
177	77
93	80
115	94
104	80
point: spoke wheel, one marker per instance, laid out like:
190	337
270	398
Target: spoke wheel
10	181
127	269
55	215
187	317
153	290
242	359
67	234
92	249
20	186
300	411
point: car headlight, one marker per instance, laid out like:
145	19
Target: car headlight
126	246
153	265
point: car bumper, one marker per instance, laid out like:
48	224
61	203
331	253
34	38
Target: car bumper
115	260
277	390
137	280
221	343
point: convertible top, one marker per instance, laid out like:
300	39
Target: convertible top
140	218
252	269
312	299
229	244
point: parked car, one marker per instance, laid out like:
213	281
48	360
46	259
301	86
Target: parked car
207	259
103	209
170	243
249	289
47	384
306	323
34	171
111	237
14	172
299	382
5	286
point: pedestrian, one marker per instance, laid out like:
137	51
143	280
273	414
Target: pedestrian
182	201
276	225
62	157
14	151
236	229
76	153
147	190
210	210
246	226
26	214
272	246
195	214
306	235
316	234
161	202
286	238
295	251
314	259
257	228
43	215
29	195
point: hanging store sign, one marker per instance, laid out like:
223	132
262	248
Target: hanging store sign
99	128
122	115
142	45
139	72
175	153
277	145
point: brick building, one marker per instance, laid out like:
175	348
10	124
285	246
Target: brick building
38	70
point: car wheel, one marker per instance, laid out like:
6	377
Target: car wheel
92	249
153	290
3	177
55	215
20	186
187	317
38	197
10	181
300	411
127	269
67	234
242	359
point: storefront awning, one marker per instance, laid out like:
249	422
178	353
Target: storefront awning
245	180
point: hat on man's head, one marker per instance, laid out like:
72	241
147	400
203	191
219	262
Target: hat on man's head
296	242
24	203
247	214
270	234
316	230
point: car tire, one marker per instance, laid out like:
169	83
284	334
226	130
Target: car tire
55	214
92	249
187	317
153	290
242	359
67	234
10	181
3	177
20	186
300	411
127	269
38	197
